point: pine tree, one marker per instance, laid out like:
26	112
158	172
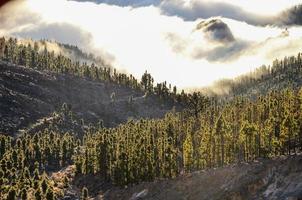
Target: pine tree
66	182
84	194
197	103
12	194
44	185
36	175
147	82
221	131
188	152
49	194
38	194
24	194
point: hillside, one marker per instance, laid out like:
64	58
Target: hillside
282	74
151	100
28	95
280	178
63	104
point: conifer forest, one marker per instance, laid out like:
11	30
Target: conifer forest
77	122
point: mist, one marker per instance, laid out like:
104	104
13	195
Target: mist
256	12
168	38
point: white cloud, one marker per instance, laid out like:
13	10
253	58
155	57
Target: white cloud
256	12
259	7
143	38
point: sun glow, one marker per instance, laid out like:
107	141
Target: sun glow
169	47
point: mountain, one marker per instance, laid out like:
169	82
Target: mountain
282	74
28	95
70	51
72	130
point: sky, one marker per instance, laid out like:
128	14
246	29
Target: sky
188	43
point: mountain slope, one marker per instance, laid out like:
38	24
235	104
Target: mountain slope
285	73
264	179
28	95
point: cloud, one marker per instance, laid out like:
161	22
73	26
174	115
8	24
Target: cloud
67	34
229	42
255	12
62	32
225	54
11	20
205	9
220	46
132	3
135	39
31	25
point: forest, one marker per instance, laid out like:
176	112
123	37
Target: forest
209	132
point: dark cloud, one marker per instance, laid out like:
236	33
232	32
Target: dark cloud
216	30
200	9
132	3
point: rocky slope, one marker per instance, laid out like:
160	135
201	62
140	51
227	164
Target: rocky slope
27	95
276	179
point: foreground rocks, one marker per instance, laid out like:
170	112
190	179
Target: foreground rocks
276	179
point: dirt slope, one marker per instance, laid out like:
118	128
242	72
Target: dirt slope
278	179
27	95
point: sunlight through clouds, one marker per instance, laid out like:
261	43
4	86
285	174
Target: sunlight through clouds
169	46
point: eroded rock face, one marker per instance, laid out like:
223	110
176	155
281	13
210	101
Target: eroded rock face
216	30
286	182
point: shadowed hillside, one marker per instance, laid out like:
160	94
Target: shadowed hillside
28	95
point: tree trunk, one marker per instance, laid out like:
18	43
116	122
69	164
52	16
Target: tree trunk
222	149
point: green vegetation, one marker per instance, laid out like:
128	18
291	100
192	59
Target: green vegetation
208	133
33	57
240	130
25	160
282	74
